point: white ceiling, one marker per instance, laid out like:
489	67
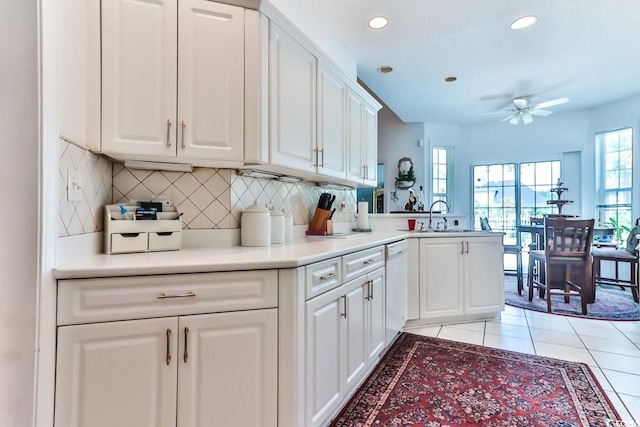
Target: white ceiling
586	50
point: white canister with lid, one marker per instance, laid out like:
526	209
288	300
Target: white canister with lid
255	226
277	227
288	226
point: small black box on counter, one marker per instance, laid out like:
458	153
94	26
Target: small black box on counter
143	215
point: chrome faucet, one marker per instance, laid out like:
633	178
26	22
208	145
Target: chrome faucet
430	227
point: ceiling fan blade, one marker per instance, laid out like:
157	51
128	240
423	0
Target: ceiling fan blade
551	103
526	118
515	119
542	113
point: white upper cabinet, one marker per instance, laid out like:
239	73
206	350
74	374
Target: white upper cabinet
370	145
210	80
362	155
139	76
292	102
332	117
173	87
213	85
78	71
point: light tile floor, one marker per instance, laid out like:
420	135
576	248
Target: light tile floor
610	348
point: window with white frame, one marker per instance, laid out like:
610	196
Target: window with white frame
614	172
441	169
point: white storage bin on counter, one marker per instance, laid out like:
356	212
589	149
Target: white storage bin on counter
123	235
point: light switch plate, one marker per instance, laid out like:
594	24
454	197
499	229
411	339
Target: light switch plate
75	186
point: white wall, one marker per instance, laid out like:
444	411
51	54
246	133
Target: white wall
545	139
396	140
19	178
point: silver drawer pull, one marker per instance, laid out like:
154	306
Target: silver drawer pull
328	276
185	295
369	261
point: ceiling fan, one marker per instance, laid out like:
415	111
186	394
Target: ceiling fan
524	110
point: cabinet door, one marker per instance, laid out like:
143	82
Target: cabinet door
370	142
117	374
355	356
227	369
484	276
376	311
331	123
211	80
441	277
292	83
355	137
325	330
139	76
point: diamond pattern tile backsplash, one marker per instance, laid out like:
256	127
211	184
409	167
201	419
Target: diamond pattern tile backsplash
84	216
208	198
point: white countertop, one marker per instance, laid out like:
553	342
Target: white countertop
300	252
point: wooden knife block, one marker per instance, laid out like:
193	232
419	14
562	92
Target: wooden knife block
321	221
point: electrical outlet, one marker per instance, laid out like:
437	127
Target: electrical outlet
75	186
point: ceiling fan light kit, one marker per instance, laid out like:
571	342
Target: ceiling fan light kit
524	111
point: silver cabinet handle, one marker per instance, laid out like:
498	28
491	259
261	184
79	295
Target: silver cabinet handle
168	356
182	136
369	261
315	153
467	246
370	290
462	247
185	357
328	276
364	171
168	132
344	297
185	295
322	157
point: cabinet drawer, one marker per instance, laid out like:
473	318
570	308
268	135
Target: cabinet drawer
164	241
137	297
359	263
128	242
323	276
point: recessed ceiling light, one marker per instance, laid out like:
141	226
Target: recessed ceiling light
378	22
524	22
450	79
385	69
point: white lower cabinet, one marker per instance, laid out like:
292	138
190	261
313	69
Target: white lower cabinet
345	335
227	369
461	278
116	374
196	370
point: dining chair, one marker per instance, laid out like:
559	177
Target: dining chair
627	256
567	261
509	249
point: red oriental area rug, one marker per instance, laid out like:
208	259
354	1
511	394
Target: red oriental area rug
429	382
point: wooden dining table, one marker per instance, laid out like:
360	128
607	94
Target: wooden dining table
537	233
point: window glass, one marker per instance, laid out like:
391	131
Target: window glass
614	160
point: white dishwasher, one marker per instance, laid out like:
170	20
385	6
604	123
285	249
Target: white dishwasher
396	294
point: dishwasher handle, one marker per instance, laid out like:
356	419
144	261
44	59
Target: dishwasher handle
397	249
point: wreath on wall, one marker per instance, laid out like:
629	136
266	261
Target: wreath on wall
406	176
